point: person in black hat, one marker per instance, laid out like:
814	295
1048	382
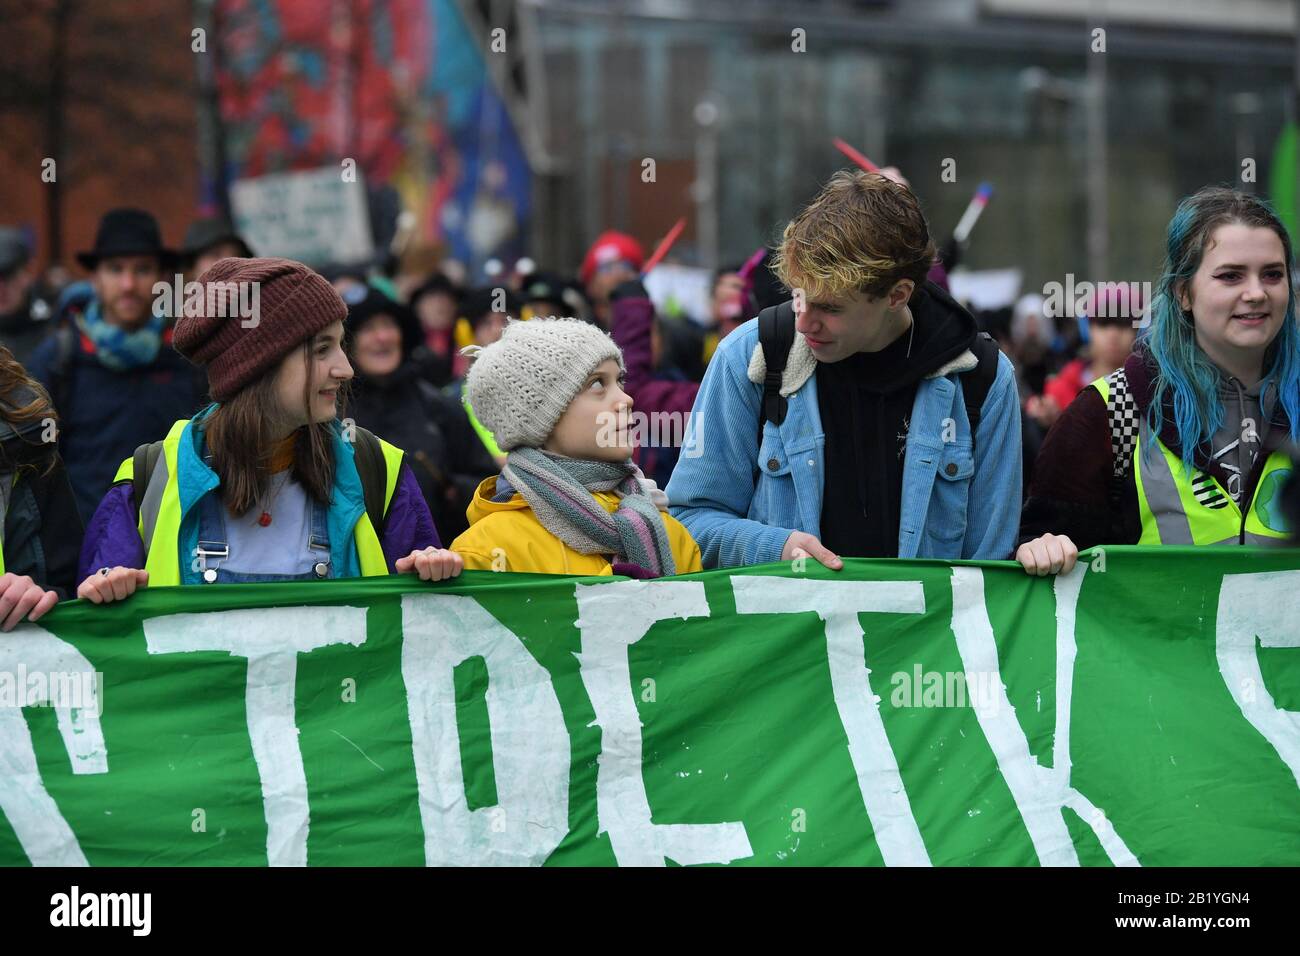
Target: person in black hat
392	398
24	312
128	259
208	240
109	367
549	294
487	310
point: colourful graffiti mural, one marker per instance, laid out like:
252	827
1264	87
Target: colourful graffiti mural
400	86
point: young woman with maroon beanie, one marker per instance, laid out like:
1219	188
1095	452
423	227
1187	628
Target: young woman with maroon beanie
267	483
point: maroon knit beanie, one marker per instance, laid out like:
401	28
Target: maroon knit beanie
294	303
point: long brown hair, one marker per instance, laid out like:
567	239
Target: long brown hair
14	381
241	440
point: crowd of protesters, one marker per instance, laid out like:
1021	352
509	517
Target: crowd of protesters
353	428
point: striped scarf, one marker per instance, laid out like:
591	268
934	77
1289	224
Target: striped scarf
558	489
115	347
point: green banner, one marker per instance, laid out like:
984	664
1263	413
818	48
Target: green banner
1142	710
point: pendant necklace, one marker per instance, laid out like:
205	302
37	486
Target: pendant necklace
264	519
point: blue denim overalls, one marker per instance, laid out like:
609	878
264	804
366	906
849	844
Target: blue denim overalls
214	546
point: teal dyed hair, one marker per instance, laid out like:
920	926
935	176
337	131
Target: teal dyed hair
1185	372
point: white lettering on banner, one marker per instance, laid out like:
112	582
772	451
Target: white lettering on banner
1264	606
838	604
612	617
271	638
530	743
1040	792
40	827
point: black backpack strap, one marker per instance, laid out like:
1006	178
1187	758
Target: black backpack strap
775	335
975	384
373	470
65	346
143	463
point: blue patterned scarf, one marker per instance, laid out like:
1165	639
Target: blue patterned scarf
115	347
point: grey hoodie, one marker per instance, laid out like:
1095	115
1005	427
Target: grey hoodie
1239	439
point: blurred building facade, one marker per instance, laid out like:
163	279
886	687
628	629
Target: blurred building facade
1192	88
88	123
526	125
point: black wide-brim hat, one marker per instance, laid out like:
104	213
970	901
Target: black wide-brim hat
128	232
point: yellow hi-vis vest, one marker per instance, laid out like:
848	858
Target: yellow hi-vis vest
1181	508
160	514
486	437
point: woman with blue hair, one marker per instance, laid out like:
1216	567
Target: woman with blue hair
1184	444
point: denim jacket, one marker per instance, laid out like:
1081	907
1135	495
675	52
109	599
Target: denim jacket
741	501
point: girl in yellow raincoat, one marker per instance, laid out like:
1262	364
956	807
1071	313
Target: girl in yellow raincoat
569	499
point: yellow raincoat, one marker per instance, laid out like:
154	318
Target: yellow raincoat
506	536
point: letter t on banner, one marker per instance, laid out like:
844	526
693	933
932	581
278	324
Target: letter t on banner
611	618
271	638
838	603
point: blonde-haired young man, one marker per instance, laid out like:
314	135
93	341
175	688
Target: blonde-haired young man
876	455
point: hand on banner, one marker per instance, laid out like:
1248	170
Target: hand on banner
1048	554
802	544
112	584
431	564
21	598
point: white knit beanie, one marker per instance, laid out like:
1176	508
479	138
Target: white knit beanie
520	385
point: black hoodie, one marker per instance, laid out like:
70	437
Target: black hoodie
445	454
865	403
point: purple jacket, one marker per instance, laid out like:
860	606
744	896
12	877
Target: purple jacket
632	318
113	539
